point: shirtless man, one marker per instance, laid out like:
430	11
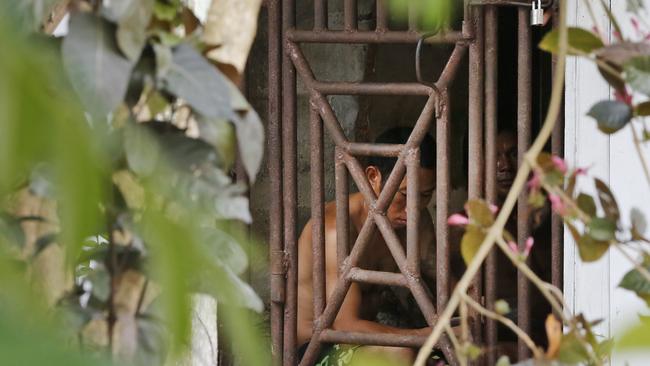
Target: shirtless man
359	308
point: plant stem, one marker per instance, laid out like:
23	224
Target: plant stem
520	181
637	145
505	321
464	328
644	272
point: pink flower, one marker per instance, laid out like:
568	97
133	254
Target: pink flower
635	25
623	96
617	35
529	245
559	163
513	246
581	171
494	209
535	182
556	204
457	220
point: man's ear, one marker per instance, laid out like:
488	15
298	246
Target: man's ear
374	177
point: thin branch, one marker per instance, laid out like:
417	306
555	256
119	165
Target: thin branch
520	181
644	272
637	145
507	322
464	330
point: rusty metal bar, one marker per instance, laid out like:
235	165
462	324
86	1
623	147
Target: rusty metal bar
557	227
443	182
376	339
317	211
449	72
412	210
289	184
524	3
350	15
377	277
342	208
491	118
297	35
274	132
476	153
320	15
359	88
366	149
524	120
382	16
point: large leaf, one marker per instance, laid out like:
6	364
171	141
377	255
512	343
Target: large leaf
225	249
642	109
97	70
636	337
590	249
636	282
250	138
471	242
607	200
586	204
221	135
611	115
637	74
616	55
479	213
572	351
602	229
132	28
141	148
580	41
194	79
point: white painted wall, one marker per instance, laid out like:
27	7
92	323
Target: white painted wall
591	288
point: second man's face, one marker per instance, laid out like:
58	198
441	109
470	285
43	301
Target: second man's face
506	162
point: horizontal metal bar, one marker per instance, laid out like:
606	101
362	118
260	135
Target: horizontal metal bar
308	36
377	277
358	88
374	339
366	149
526	3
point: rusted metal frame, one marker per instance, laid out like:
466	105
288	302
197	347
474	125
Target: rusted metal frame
331	36
376	339
475	134
317	210
350	15
524	3
443	182
524	121
289	154
491	118
377	277
382	16
274	132
557	227
342	208
449	72
358	88
412	210
320	15
366	149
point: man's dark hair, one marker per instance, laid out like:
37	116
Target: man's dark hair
399	135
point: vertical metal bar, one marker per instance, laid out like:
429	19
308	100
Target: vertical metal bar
491	99
382	16
276	250
442	202
414	15
289	154
524	119
476	165
317	211
320	15
557	228
412	211
350	15
342	209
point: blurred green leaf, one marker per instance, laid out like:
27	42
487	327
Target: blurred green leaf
586	204
607	200
611	115
590	249
637	74
503	361
97	71
580	40
116	10
479	212
163	60
602	229
132	28
100	280
634	6
636	337
198	82
167	10
221	135
642	109
250	138
571	350
636	282
471	242
141	149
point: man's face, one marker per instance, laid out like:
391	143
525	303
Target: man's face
396	212
506	162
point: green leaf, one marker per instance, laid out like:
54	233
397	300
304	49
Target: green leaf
225	250
636	282
602	229
633	6
611	115
250	139
97	70
163	60
635	337
586	204
580	40
503	361
591	250
637	74
479	212
473	351
141	149
471	242
571	350
221	135
132	28
167	10
604	349
642	109
100	280
198	82
607	200
115	10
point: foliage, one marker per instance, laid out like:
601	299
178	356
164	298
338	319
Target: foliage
133	134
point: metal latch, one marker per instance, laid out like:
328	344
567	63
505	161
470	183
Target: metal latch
537	13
